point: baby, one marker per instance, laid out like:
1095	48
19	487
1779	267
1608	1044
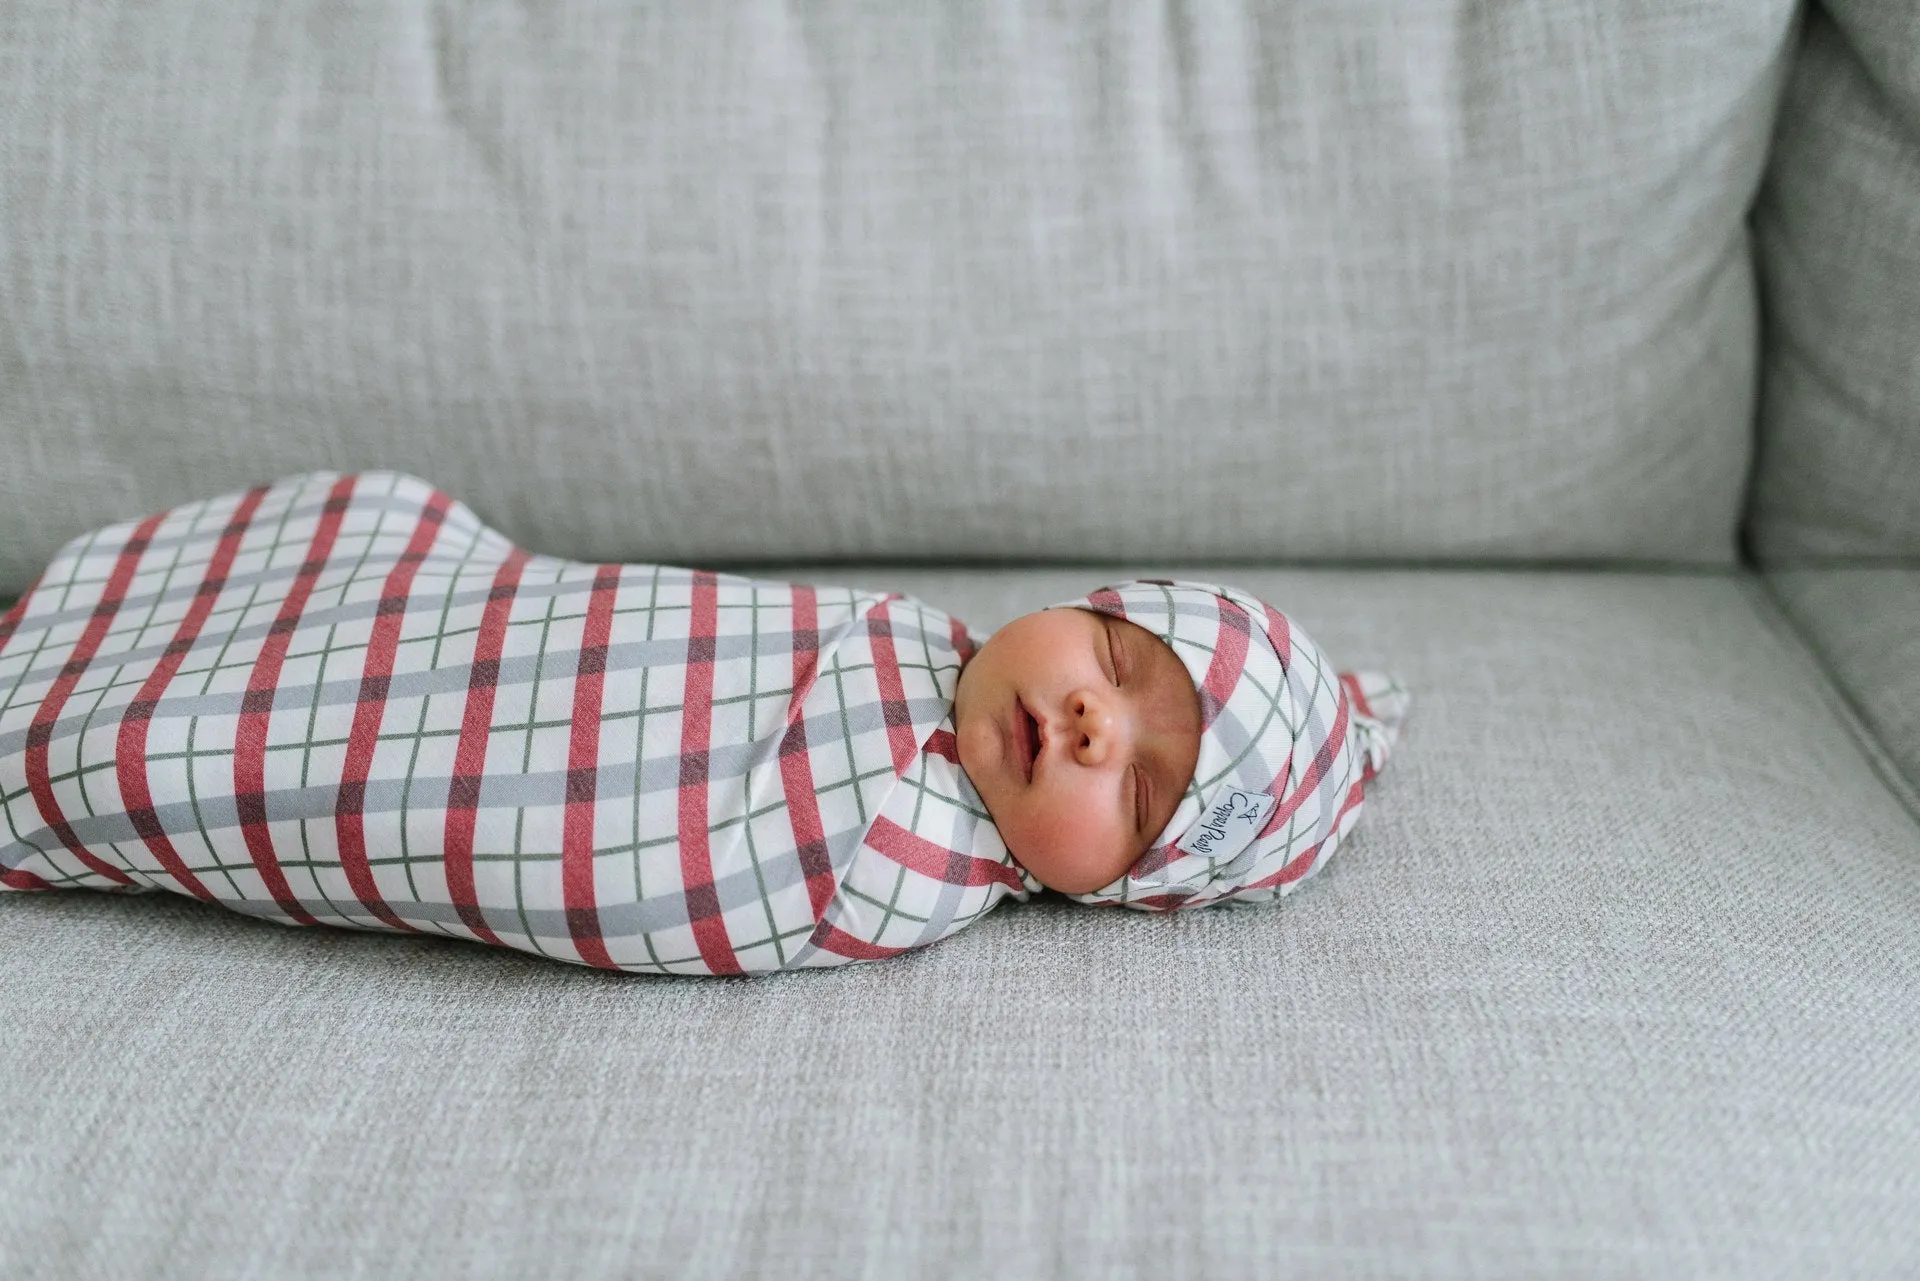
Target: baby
346	700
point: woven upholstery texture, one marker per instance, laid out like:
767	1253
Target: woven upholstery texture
1838	233
1080	281
1615	980
1865	624
1836	501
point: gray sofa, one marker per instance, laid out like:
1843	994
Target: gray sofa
1562	359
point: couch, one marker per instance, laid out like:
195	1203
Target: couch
1562	359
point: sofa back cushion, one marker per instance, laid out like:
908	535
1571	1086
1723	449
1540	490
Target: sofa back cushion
699	282
1838	223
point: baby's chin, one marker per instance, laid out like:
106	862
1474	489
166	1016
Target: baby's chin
1066	884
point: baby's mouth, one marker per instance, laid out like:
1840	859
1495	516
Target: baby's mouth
1027	731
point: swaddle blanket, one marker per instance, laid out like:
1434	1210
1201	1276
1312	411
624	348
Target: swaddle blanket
344	699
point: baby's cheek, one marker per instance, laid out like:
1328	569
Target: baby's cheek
1046	829
1062	841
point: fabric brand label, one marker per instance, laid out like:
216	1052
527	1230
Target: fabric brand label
1228	825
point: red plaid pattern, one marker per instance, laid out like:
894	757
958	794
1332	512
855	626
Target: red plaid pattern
344	700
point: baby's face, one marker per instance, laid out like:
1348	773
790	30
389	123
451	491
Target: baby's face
1080	732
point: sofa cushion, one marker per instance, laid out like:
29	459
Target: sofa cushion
1838	225
1865	624
692	282
1614	978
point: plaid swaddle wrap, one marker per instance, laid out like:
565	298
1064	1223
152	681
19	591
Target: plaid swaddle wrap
344	699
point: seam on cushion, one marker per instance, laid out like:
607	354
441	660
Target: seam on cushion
1775	618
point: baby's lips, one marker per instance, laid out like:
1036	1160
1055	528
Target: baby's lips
1035	742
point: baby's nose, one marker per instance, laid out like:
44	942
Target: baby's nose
1096	726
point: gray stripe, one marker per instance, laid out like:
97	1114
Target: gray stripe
940	918
619	921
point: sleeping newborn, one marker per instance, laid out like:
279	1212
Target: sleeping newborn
346	700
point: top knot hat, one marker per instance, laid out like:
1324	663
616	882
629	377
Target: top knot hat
1287	744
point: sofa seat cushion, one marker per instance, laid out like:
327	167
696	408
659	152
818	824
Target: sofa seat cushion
1615	977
